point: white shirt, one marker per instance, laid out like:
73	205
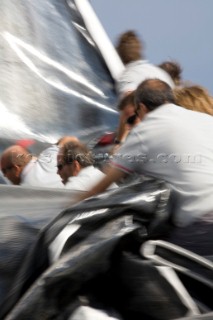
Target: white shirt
42	172
86	179
138	71
175	145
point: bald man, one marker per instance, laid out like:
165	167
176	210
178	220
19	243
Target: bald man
66	139
22	168
14	159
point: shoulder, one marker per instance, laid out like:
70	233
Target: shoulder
91	171
52	150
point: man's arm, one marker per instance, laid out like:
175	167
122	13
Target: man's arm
112	175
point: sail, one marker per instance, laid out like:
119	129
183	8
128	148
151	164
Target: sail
54	80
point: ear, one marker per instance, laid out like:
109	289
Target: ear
17	174
76	167
142	110
17	170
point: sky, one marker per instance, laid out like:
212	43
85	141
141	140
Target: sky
180	30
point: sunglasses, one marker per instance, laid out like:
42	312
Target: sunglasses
4	170
60	166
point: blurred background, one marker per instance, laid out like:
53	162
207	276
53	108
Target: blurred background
179	30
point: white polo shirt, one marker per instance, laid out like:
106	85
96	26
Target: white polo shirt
86	179
138	71
175	145
42	172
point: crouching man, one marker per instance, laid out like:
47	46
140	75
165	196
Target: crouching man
76	169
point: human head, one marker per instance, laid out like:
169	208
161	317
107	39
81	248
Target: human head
71	159
194	98
128	99
126	107
66	139
13	161
129	47
174	69
151	94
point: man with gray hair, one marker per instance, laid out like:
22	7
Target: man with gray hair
175	145
76	169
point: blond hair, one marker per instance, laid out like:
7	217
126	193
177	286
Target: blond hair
194	98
